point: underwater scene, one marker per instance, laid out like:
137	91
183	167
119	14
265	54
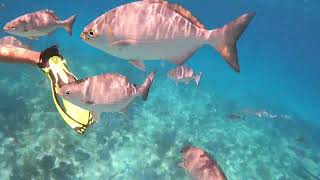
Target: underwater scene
159	90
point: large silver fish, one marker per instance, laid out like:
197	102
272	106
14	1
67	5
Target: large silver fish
10	40
199	164
184	74
157	29
105	93
36	24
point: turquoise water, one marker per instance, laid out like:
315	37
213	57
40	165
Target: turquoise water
279	74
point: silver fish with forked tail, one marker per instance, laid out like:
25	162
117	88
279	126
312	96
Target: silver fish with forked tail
105	93
36	24
157	29
199	164
184	74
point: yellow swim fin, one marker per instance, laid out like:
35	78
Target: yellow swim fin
77	118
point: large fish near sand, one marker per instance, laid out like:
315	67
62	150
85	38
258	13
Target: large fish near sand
105	93
10	40
36	24
184	74
157	29
199	164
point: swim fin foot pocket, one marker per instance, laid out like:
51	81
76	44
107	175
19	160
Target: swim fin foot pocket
47	54
55	68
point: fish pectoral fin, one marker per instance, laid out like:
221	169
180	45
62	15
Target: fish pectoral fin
25	29
126	42
138	64
86	101
89	102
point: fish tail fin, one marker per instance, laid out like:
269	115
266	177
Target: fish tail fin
144	89
68	23
224	39
198	78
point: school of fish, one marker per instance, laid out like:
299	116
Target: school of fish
137	31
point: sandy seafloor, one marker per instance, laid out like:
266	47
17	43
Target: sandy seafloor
278	56
145	143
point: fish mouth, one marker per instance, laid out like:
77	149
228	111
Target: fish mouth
185	149
6	28
83	36
182	164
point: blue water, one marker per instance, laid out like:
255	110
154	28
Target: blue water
279	62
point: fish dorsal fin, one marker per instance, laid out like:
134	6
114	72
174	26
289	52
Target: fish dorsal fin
50	12
181	10
186	14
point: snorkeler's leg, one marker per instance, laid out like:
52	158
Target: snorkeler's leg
12	54
47	54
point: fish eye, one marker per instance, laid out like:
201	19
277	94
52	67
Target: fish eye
91	33
13	27
68	93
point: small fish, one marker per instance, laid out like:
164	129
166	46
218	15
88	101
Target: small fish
105	93
199	165
157	29
184	74
236	117
285	116
10	40
36	24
